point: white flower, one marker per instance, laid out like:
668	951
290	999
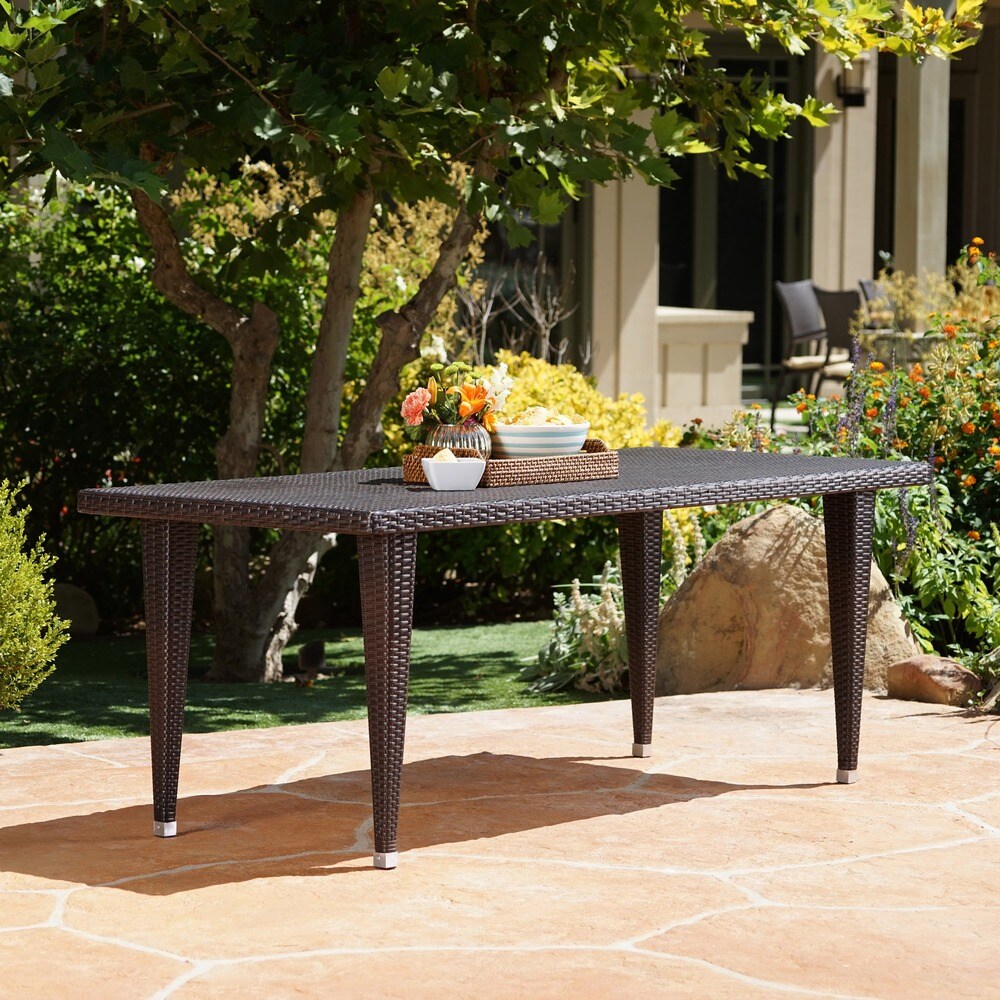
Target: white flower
400	282
435	350
498	387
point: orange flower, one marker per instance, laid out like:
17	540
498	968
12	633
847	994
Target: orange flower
473	400
802	407
835	397
923	391
905	401
994	449
876	366
977	241
432	388
489	421
993	344
939	460
996	465
950	331
871	412
970	480
973	253
968	427
876	432
974	535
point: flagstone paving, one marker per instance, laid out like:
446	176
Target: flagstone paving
536	861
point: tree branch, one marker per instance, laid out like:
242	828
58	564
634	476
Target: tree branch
326	376
252	339
401	333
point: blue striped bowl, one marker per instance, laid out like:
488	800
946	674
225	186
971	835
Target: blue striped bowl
515	441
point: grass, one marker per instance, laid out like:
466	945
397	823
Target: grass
98	690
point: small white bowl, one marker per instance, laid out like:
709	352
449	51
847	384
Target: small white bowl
546	440
462	474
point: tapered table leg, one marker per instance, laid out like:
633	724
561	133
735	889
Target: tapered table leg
169	550
848	519
387	566
639	536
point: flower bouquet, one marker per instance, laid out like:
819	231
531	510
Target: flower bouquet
458	407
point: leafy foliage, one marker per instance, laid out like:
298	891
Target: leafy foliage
30	632
102	384
537	93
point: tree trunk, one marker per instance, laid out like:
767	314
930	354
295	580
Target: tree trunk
254	621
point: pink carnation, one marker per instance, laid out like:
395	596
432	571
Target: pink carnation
414	405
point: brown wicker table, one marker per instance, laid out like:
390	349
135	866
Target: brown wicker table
386	516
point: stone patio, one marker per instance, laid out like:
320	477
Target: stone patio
537	861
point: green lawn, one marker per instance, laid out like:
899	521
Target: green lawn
99	687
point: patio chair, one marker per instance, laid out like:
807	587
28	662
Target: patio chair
805	352
839	309
875	301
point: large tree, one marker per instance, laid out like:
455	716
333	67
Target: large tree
382	103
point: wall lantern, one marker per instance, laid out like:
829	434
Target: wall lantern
852	84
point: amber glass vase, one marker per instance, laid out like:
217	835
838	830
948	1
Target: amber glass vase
472	435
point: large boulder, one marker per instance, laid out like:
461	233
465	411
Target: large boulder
78	608
932	679
754	614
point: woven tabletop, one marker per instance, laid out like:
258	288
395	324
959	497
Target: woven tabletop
376	501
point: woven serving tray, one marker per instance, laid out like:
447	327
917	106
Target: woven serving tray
596	461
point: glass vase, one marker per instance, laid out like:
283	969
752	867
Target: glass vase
471	435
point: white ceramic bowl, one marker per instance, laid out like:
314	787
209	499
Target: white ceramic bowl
462	474
544	441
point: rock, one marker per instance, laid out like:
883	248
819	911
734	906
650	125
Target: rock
78	608
754	613
932	679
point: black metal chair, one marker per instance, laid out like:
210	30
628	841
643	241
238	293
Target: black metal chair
805	352
839	310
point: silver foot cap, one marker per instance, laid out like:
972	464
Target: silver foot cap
164	829
387	860
847	777
642	749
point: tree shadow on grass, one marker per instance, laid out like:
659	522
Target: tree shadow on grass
310	827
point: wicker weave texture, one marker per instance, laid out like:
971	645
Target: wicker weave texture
168	558
376	501
639	536
848	522
596	461
387	567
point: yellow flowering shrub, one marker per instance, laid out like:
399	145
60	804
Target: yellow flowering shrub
619	422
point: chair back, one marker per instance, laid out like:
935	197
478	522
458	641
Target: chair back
803	317
839	310
869	290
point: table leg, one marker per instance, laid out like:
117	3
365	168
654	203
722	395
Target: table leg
169	550
639	536
387	567
848	519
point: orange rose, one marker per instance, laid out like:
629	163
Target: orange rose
968	427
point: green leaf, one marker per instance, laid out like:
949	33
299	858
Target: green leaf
62	152
270	125
392	82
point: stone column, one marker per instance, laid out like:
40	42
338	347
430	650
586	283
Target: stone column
843	225
625	289
921	210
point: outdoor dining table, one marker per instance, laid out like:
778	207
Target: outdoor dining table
386	515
